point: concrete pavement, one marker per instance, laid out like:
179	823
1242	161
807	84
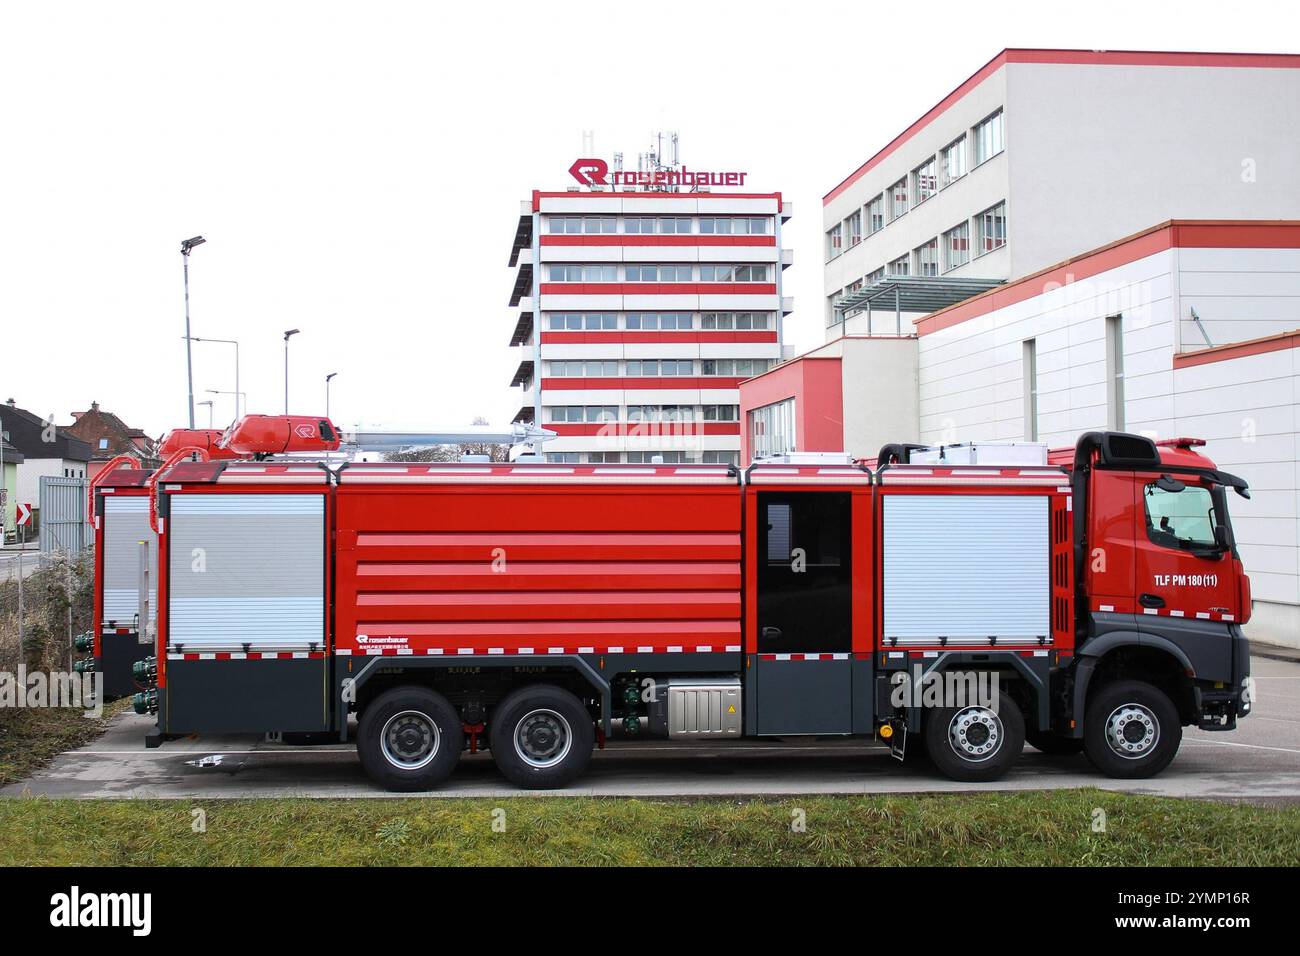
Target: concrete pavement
1260	761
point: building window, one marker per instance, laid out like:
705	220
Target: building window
745	273
924	184
927	258
898	199
658	458
638	273
875	215
872	278
653	368
103	444
734	368
581	224
665	321
855	228
956	246
602	458
727	321
834	241
638	225
721	458
1029	369
1115	373
952	162
589	273
721	413
562	457
987	137
581	321
992	228
899	267
771	430
734	225
580	369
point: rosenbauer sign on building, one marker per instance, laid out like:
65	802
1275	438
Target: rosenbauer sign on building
596	172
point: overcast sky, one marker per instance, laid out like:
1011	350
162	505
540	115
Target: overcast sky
357	169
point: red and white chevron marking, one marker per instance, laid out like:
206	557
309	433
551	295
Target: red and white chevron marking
1170	612
804	657
250	656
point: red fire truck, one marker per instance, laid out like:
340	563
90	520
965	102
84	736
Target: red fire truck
536	610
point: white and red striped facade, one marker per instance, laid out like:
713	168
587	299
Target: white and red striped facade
639	315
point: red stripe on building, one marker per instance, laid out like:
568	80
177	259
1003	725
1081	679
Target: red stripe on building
639	240
664	337
658	384
658	288
1226	353
645	429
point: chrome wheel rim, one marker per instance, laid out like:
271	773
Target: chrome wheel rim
1132	731
410	740
975	734
543	738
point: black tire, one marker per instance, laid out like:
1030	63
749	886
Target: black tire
554	747
409	739
1134	716
1006	728
1044	741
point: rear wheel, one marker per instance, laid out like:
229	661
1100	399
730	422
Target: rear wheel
541	737
975	743
1131	730
409	738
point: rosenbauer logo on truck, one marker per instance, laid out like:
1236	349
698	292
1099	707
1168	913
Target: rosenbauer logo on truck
595	172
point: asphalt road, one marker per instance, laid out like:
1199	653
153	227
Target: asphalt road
1260	761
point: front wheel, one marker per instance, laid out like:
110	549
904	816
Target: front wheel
1131	730
975	743
541	737
409	738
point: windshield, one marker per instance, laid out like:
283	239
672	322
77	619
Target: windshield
1181	519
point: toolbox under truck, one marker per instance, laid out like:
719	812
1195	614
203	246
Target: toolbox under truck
536	610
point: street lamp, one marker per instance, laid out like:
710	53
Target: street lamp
238	397
209	404
236	345
327	392
287	335
187	246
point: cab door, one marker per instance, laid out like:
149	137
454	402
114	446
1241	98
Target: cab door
804	575
1185	583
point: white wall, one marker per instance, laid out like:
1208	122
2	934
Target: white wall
31	470
1097	153
880	393
971	385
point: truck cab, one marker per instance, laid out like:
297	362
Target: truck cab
1162	592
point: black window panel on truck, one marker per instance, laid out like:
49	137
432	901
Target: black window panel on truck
246	613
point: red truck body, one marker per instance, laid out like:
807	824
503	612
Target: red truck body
537	608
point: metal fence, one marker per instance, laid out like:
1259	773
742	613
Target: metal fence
65	526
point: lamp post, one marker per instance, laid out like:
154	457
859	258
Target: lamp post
187	246
289	333
208	403
239	396
327	392
237	392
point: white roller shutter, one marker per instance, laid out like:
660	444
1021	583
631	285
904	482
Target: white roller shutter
246	570
967	568
126	524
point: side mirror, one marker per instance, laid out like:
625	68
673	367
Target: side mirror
1222	537
1170	484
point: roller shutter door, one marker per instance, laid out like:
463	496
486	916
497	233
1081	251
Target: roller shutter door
126	524
973	569
246	570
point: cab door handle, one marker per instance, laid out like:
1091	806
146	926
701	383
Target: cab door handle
771	633
1152	600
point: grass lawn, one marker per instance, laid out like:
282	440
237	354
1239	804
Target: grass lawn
1052	828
